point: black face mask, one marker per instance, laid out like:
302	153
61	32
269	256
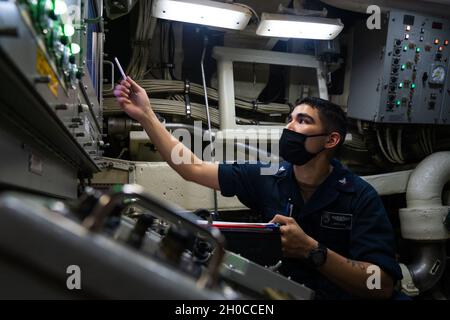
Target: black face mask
292	147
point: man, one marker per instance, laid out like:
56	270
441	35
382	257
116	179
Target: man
336	237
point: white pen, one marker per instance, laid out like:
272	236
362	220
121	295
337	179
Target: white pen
124	76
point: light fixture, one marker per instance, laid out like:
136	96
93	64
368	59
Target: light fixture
205	12
292	26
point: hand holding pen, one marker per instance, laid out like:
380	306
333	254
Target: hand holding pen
131	97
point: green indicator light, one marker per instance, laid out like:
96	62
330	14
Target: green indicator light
397	102
60	7
400	85
74	48
413	86
117	188
403	66
405	48
49	5
68	30
417	50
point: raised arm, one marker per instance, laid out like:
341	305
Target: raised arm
134	101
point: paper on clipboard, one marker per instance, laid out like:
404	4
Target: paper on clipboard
240	225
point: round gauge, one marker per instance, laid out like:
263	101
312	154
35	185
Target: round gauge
437	74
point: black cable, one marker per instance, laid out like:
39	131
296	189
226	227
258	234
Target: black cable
161	49
275	86
171	51
152	74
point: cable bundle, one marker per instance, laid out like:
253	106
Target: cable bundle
141	45
167	106
173	86
176	105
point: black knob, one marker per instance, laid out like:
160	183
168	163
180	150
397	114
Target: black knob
52	15
42	79
64	40
431	105
137	235
174	243
79	75
63	106
202	250
88	200
425	77
72	59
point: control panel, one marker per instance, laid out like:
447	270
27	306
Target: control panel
128	245
400	72
54	49
55	23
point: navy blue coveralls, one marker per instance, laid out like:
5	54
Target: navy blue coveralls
345	214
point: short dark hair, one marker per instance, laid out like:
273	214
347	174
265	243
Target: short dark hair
331	115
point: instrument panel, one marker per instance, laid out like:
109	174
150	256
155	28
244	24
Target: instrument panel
400	72
51	60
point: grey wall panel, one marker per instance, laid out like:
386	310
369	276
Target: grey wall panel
25	164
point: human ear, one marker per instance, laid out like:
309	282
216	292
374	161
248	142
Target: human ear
333	140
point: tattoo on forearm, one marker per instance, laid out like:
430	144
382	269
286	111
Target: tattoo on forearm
356	264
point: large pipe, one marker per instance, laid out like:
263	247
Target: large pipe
428	266
427	181
422	221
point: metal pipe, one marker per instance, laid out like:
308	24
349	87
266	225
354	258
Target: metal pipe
246	147
422	221
427	181
122	126
205	89
429	265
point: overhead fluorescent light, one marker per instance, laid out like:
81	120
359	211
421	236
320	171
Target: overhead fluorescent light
205	12
291	26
